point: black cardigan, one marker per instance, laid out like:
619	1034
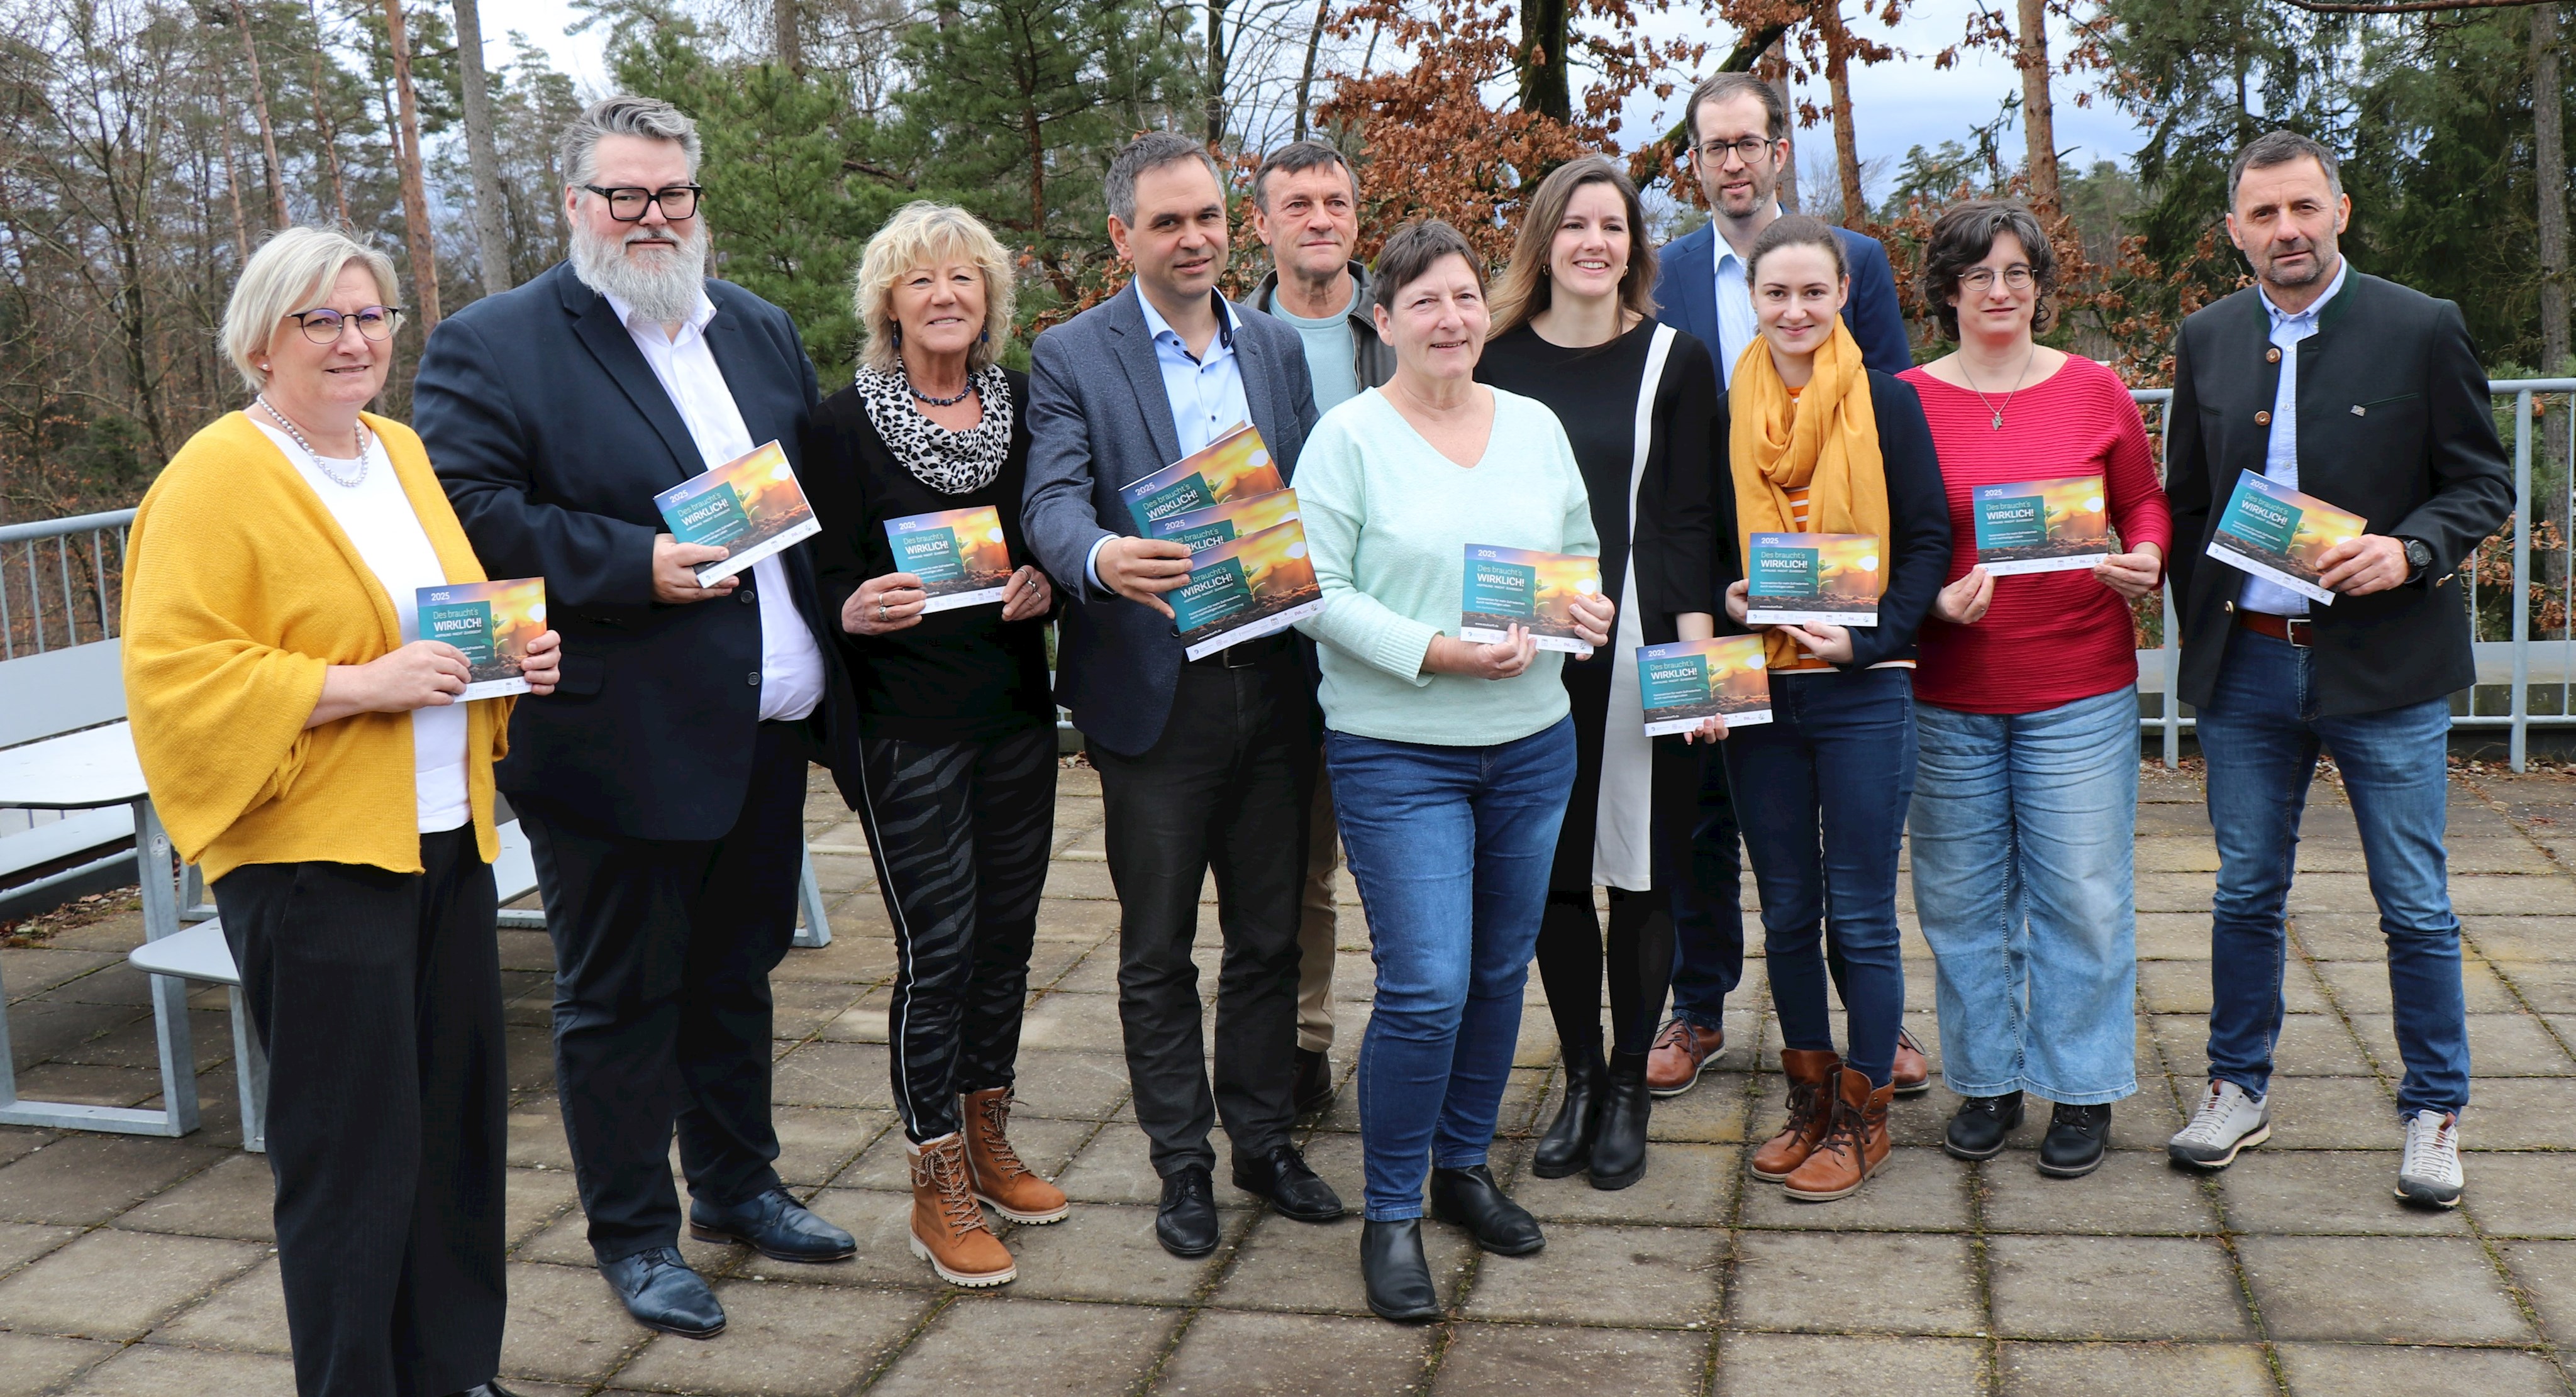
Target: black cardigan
1918	510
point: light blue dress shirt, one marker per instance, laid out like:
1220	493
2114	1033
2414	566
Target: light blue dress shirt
1206	394
2281	452
1737	327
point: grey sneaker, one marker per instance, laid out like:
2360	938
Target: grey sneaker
2228	1121
2431	1172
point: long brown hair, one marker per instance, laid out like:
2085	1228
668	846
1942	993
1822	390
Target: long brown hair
1526	289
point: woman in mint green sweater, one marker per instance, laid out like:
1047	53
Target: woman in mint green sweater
1450	760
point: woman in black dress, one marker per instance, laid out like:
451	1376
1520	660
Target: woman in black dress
1574	327
953	769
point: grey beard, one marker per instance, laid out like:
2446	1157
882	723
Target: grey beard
665	296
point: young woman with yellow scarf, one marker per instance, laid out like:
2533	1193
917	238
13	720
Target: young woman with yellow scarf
1816	443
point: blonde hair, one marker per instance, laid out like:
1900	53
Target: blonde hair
293	270
1526	289
919	234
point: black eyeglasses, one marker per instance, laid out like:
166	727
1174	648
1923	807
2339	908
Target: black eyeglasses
325	326
1747	150
626	202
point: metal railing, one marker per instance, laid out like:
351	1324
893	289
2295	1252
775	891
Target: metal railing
2503	662
82	560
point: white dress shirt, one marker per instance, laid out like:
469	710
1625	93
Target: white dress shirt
1206	393
2281	451
791	667
1736	326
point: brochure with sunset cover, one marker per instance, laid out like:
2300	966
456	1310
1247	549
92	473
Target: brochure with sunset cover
1801	579
1524	587
958	554
751	505
2041	525
2277	534
1245	588
1235	466
1205	528
1690	681
492	622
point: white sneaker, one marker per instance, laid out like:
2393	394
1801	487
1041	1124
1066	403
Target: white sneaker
2431	1172
2228	1121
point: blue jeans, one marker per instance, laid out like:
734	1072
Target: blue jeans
1822	791
1451	848
2260	734
2024	830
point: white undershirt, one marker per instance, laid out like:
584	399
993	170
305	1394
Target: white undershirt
378	517
791	666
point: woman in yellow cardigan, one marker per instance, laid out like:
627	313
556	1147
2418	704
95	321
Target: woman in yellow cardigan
316	758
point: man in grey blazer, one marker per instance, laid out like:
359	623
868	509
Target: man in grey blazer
1203	764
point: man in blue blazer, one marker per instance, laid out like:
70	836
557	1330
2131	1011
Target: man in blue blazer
1203	764
1739	129
662	784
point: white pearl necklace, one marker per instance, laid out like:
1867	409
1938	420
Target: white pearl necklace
359	433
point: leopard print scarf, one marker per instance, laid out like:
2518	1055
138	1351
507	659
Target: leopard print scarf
952	463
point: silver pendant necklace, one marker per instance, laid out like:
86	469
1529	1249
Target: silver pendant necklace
358	433
1997	409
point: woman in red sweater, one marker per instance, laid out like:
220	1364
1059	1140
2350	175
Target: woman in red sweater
2026	709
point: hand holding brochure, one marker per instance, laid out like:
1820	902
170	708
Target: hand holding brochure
959	555
1235	466
2041	525
492	622
1523	587
2277	534
750	505
1690	681
1245	588
1802	579
1222	523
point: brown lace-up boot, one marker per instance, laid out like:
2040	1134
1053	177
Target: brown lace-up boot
1854	1146
1811	1109
948	1228
999	1177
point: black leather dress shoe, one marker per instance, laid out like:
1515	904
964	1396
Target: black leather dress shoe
1310	1085
487	1389
1186	1223
2076	1137
662	1293
1980	1126
1396	1275
1294	1190
775	1224
1470	1198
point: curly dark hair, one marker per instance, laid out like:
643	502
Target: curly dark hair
1961	240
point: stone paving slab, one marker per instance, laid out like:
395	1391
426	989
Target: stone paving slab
141	1266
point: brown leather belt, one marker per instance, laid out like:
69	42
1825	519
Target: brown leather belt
2293	629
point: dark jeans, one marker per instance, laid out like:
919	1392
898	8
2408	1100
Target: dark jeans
1708	907
2260	734
1824	787
378	996
1450	847
1227	787
959	832
663	950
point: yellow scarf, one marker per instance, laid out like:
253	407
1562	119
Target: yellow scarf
1824	440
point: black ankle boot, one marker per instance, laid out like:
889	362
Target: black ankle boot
1395	1273
1567	1146
1619	1145
2077	1136
1980	1126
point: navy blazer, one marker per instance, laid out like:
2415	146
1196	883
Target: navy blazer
1686	297
1099	419
552	436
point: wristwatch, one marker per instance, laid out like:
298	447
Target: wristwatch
2419	556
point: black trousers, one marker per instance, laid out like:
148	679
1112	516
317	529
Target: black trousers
663	950
378	996
960	834
1226	787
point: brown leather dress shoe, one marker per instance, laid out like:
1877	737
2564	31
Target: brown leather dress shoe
948	1228
1811	1110
1680	1054
1854	1146
999	1178
1913	1075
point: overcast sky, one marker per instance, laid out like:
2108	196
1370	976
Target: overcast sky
1898	104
